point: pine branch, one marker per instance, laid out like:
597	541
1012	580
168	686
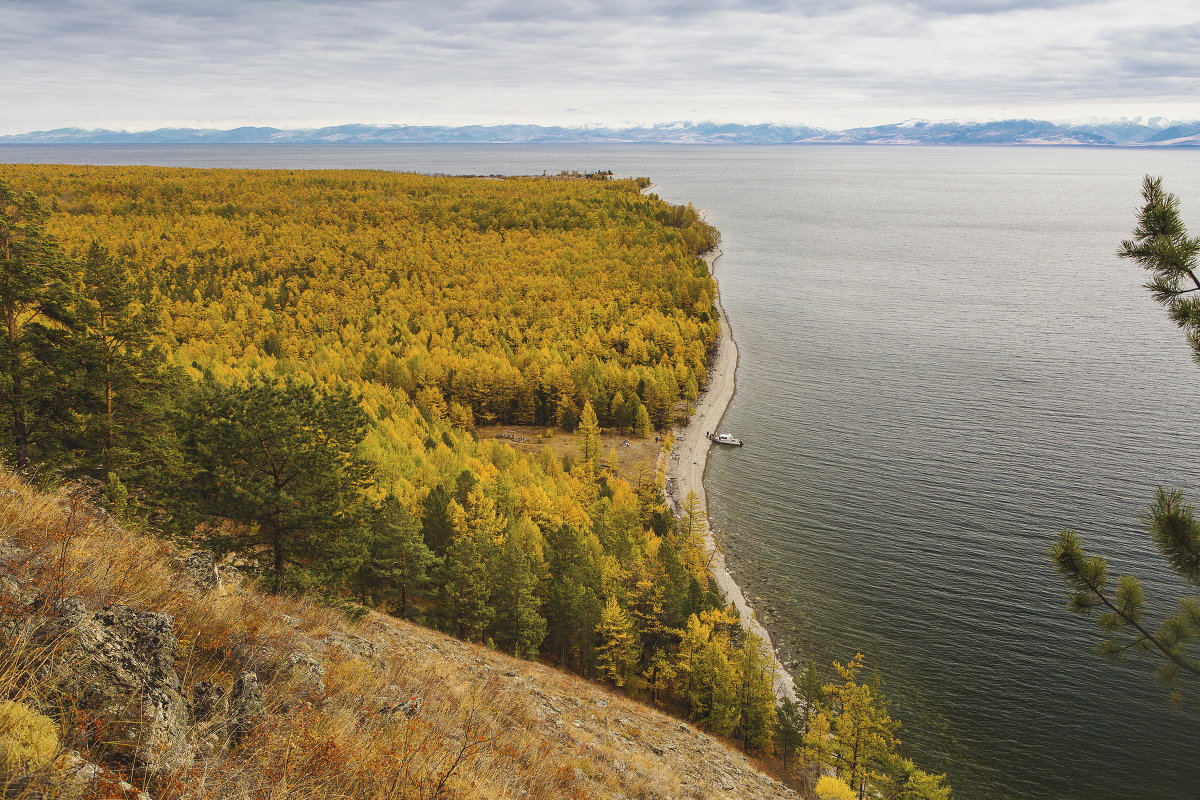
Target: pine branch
1067	554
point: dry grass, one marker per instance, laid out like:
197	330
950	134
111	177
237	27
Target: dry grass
336	745
637	458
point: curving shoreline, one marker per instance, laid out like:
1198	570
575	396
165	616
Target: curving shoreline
685	472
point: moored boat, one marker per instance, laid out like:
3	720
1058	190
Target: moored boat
724	438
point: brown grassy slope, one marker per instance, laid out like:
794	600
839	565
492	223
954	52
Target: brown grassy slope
488	726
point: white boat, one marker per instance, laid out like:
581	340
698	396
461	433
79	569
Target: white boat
725	438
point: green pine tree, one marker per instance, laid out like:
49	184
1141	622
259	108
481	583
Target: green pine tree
789	730
756	694
904	781
127	427
34	299
713	692
811	689
397	561
280	461
573	605
435	519
519	627
661	675
470	558
1162	247
464	578
646	609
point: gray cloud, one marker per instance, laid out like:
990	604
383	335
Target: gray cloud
1159	54
312	62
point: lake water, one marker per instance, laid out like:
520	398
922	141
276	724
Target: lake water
942	364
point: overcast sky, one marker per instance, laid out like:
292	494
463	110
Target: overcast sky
140	64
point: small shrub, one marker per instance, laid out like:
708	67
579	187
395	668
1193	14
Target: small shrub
28	740
834	789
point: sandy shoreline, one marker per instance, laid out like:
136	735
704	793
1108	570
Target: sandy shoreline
685	472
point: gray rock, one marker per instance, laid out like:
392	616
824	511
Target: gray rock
353	645
306	673
75	767
14	595
231	576
120	664
12	554
128	790
201	569
246	705
76	776
408	708
209	701
69	613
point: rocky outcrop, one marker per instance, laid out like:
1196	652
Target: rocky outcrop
353	646
306	674
15	591
119	665
206	573
246	705
76	777
210	701
201	569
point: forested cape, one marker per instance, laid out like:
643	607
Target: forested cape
288	367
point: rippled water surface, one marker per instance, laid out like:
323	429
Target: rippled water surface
942	365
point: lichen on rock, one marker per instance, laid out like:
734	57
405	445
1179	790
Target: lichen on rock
246	705
120	665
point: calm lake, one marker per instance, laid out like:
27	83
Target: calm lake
942	364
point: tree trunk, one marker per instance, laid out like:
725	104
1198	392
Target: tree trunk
108	401
277	546
17	398
20	431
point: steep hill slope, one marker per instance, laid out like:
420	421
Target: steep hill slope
167	674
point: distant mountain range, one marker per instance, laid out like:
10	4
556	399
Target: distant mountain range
1119	133
1155	132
